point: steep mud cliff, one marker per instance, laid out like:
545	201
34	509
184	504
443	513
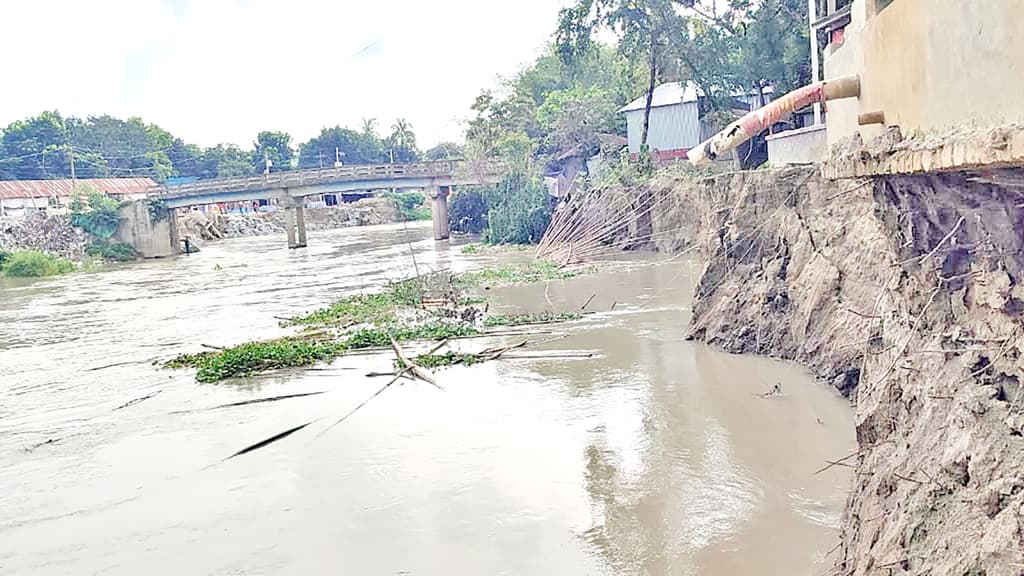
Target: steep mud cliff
906	293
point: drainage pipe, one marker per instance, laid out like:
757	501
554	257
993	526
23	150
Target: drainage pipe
753	123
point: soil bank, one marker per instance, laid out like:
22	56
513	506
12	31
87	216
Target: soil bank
904	292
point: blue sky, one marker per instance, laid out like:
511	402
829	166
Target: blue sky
214	71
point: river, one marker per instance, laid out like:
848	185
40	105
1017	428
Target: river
656	457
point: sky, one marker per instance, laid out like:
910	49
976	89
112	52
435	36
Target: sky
213	71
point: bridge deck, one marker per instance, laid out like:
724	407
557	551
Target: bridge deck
451	171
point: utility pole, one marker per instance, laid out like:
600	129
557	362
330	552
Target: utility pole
266	163
321	153
337	157
812	14
74	181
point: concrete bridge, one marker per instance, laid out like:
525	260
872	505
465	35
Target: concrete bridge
290	188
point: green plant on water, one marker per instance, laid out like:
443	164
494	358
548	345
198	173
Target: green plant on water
295	351
34	264
379	337
108	250
431	361
527	319
520	273
410	205
254	357
470	249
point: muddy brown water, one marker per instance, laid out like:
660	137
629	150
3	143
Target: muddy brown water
655	457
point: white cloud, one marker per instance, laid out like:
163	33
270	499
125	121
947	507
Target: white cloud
213	71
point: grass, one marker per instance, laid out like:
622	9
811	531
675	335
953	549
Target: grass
521	273
33	264
295	351
377	308
470	249
527	319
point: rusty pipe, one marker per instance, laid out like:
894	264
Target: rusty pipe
754	122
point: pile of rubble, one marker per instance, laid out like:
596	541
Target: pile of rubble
37	231
212	226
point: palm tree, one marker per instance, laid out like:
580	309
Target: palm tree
402	141
370	126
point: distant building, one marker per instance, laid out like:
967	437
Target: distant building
20	196
676	123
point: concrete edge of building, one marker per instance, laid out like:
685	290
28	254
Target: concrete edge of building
960	149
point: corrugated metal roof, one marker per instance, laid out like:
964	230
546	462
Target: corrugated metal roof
10	189
666	95
680	93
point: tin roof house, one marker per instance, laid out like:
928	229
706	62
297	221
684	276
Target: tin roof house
17	197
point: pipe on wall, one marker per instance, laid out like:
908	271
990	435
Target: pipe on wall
758	120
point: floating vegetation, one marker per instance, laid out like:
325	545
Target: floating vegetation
520	273
426	308
527	319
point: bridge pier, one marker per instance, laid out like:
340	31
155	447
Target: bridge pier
439	195
295	225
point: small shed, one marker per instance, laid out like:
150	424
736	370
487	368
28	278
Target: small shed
675	125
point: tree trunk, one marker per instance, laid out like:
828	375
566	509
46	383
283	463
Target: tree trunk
650	96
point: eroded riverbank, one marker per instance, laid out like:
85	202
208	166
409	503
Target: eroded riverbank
657	457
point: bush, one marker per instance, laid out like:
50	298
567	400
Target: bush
98	215
467	210
34	264
116	251
410	205
520	211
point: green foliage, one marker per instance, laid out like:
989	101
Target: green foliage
376	308
350	146
444	151
527	319
521	273
431	361
33	264
467	210
411	205
401	144
254	357
470	249
98	215
519	211
378	337
157	208
275	146
107	250
358	309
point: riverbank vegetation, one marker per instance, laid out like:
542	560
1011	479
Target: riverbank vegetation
433	307
411	205
33	264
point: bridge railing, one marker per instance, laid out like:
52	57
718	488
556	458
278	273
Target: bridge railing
314	176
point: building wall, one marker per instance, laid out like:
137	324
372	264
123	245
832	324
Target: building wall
672	127
932	64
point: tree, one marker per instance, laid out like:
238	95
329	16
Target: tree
275	146
36	148
644	27
402	142
352	147
224	161
444	151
